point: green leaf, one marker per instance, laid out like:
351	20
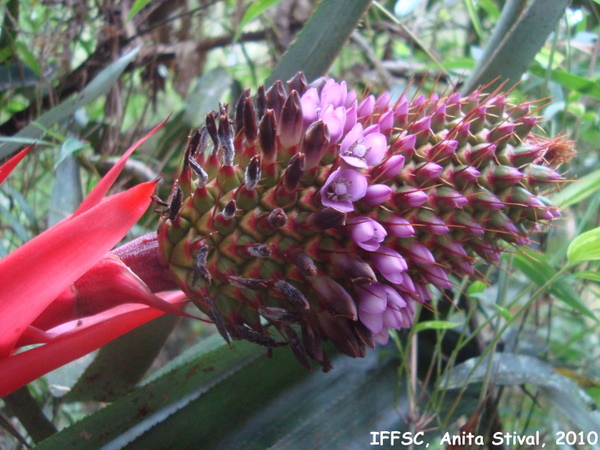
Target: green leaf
249	402
587	275
436	325
122	363
518	36
510	369
571	81
256	9
69	147
321	40
136	7
538	270
505	313
578	190
585	247
97	87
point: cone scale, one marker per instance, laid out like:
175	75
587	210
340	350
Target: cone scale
315	215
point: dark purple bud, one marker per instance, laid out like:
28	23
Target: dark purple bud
176	202
293	295
351	266
249	121
239	110
261	101
276	97
211	127
216	317
252	174
314	144
268	137
294	172
325	218
334	297
305	264
226	139
291	121
298	83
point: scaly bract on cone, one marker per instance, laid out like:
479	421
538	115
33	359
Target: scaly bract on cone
328	217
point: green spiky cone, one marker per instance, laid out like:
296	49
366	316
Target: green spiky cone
314	215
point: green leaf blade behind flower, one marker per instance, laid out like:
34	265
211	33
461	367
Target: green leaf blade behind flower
585	247
537	269
321	40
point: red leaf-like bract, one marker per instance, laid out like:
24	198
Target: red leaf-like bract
75	339
9	165
38	271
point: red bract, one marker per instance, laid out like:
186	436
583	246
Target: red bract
54	264
9	165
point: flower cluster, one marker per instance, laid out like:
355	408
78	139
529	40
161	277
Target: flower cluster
328	217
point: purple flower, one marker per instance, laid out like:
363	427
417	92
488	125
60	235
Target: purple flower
335	119
310	106
381	307
365	108
399	227
360	150
366	233
342	188
377	194
389	263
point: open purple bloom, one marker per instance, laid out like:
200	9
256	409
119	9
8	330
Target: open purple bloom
342	188
366	232
389	263
360	150
381	307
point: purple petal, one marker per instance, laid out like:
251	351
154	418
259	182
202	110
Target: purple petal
373	322
342	188
377	194
399	227
390	264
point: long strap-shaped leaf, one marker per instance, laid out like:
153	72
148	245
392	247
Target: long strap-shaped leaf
321	39
517	38
98	86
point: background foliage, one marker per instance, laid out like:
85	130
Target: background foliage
86	79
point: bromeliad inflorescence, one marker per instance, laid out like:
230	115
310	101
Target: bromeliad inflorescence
328	217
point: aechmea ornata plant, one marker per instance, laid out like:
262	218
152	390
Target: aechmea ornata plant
309	214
